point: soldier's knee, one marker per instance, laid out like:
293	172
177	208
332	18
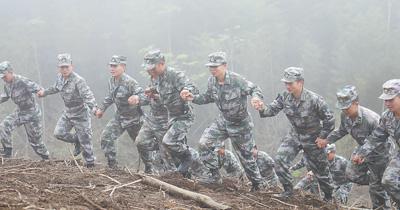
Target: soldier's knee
59	134
203	144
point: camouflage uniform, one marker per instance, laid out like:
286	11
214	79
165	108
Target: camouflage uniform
152	132
267	168
28	113
310	118
388	128
360	129
127	117
79	101
342	186
180	115
231	164
234	121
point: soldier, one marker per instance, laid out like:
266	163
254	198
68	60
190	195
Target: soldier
388	128
79	102
21	91
230	163
125	93
169	84
337	167
359	122
267	168
311	121
153	130
229	91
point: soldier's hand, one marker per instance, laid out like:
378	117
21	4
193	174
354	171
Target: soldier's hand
133	100
40	93
257	103
321	143
221	152
186	95
357	159
99	113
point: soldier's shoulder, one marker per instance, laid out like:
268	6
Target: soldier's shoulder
387	115
369	115
128	79
78	77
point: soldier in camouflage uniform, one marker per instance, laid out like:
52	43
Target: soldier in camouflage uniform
311	121
169	84
337	167
267	168
79	102
359	122
125	93
387	129
21	91
152	132
229	91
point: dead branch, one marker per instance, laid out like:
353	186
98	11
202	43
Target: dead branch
91	202
76	162
90	186
206	200
112	179
259	203
287	204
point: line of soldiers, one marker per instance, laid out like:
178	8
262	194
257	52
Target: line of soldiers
162	132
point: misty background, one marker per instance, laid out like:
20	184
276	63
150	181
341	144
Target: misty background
337	42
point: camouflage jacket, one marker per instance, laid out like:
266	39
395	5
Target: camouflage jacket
21	91
76	94
231	97
158	114
169	85
360	129
310	115
118	93
387	129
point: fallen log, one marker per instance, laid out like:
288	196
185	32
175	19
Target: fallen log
203	199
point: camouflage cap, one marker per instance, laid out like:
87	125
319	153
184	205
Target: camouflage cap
331	148
4	66
346	96
152	58
117	59
216	59
391	89
292	74
64	59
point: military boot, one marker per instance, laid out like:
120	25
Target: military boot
186	162
258	186
149	169
288	191
112	163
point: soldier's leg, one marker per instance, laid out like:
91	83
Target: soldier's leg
357	173
133	131
83	128
210	140
63	128
267	170
391	179
146	144
34	131
6	127
308	183
287	152
232	165
318	163
244	144
379	197
175	142
110	134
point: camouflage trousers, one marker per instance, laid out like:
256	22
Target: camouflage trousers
391	178
231	164
241	135
83	133
112	132
148	143
33	128
370	173
316	158
309	183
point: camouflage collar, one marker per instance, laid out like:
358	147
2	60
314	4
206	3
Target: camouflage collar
227	77
359	118
303	95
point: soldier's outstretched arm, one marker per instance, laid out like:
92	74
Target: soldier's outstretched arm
53	89
251	89
272	109
32	86
327	118
108	99
137	90
182	82
205	98
339	132
379	136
